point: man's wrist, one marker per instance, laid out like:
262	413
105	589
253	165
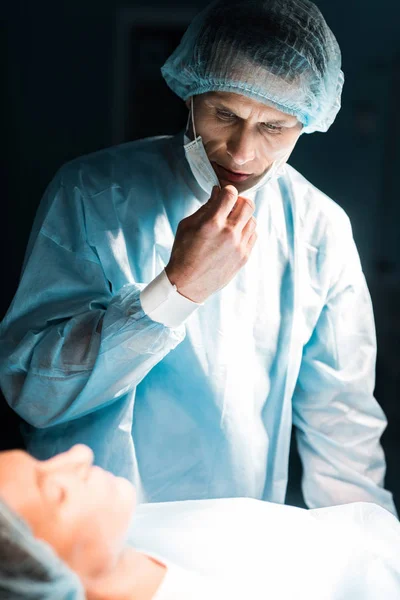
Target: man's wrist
183	288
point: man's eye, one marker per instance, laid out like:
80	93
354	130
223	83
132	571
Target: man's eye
225	115
272	128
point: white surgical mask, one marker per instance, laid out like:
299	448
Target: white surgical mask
198	160
201	167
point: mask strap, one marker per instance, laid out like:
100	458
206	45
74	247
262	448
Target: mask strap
192	113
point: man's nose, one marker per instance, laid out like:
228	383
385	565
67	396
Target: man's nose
240	148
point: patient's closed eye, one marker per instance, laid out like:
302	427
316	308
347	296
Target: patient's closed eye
50	487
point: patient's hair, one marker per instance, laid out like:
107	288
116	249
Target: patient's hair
29	568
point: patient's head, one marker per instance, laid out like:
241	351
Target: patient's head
82	511
29	569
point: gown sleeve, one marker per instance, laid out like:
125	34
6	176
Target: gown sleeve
69	343
339	422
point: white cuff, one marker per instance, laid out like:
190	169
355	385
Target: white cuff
162	302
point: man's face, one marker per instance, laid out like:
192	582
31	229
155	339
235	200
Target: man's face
242	137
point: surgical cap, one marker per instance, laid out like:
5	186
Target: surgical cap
29	569
278	52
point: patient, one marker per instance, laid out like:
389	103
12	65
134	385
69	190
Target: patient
207	549
83	512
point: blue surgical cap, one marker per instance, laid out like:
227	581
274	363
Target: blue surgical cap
278	52
29	569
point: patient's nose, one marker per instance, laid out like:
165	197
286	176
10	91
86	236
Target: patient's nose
78	458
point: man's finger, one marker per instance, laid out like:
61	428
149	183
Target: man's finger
224	201
241	212
214	193
249	229
252	241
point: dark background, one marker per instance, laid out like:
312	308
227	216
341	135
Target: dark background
83	75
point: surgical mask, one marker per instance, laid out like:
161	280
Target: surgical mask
198	160
201	167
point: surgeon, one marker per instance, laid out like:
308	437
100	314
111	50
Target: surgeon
185	300
70	531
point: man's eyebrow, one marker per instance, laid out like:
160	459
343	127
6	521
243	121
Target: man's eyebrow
221	104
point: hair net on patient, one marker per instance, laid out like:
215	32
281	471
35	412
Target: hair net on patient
29	569
279	52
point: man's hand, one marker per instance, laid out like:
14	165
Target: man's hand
212	245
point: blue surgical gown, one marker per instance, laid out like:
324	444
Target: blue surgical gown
204	410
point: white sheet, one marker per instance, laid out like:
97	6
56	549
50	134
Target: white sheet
272	552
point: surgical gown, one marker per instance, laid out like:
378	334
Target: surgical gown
203	410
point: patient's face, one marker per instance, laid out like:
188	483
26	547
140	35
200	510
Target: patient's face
81	510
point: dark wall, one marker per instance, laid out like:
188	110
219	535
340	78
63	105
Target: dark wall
65	93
